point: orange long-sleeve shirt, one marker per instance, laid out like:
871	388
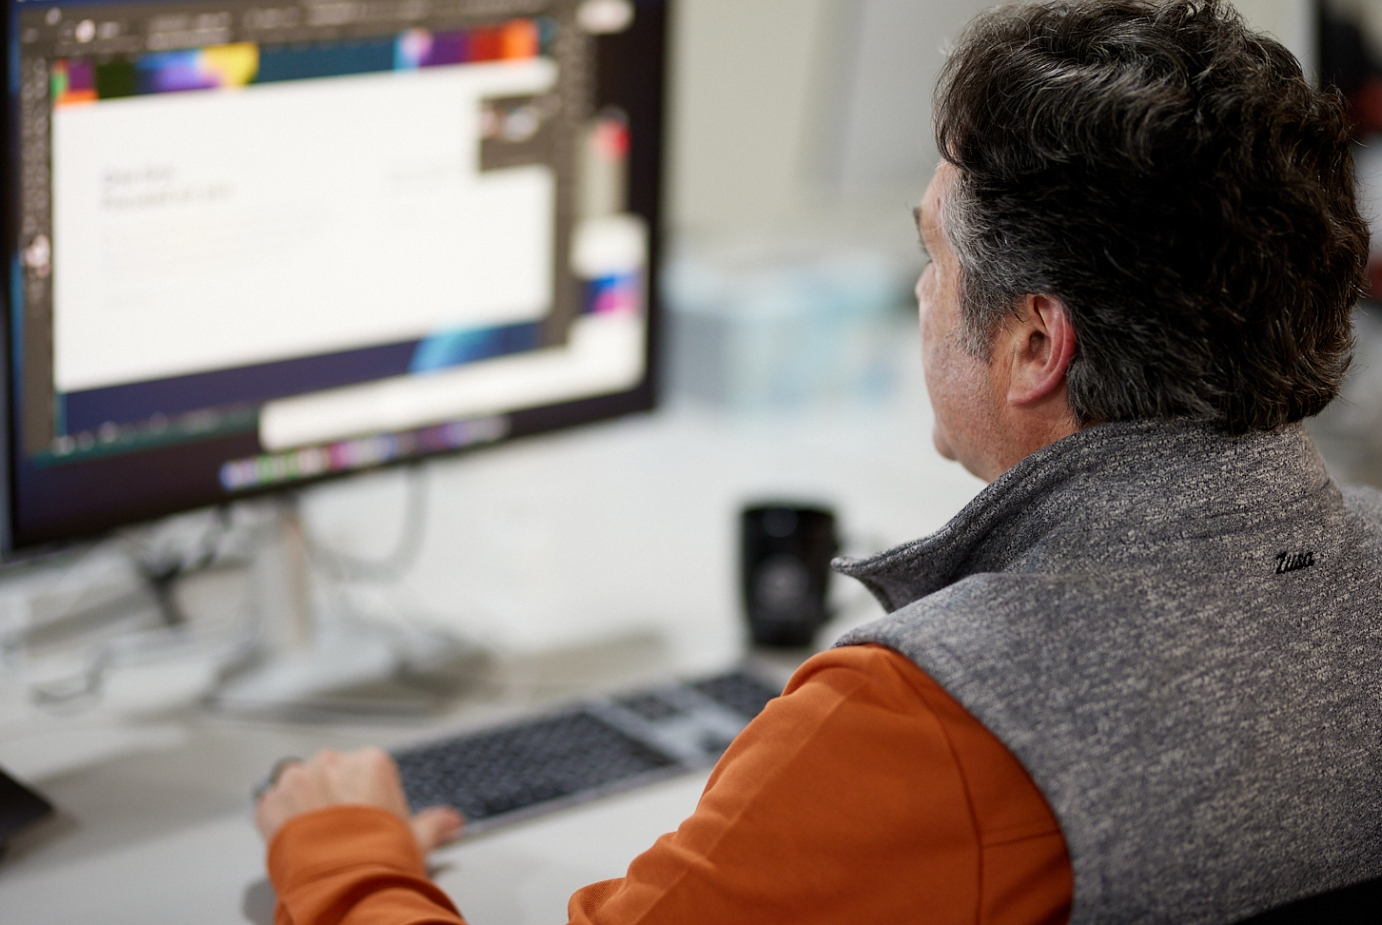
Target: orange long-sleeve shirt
864	794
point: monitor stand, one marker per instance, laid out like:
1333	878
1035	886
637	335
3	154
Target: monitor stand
317	662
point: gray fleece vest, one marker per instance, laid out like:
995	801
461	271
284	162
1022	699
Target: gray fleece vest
1179	635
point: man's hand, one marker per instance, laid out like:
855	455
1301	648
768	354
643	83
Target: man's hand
366	777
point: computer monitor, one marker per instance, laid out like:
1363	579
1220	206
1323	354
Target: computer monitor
255	244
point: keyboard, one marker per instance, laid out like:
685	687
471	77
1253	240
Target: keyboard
587	750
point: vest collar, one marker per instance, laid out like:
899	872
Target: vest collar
1132	476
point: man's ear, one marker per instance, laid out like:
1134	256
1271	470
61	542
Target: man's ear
1043	346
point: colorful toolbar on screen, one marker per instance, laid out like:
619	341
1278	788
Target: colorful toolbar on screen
78	81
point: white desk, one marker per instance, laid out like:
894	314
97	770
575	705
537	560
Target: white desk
519	875
164	834
212	872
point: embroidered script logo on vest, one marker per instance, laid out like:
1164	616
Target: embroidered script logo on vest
1291	561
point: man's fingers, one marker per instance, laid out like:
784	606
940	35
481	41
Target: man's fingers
367	777
294	791
436	826
271	781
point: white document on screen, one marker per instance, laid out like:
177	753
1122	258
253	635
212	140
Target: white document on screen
214	229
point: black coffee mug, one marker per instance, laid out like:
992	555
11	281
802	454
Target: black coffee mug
785	553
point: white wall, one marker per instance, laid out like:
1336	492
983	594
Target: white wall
740	109
1291	21
787	109
885	137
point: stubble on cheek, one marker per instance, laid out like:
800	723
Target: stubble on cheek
941	441
941	387
961	398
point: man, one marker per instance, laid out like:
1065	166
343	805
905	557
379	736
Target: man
1138	678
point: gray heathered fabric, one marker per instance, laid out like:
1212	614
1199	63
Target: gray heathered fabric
1207	730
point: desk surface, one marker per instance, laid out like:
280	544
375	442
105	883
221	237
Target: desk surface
164	832
211	873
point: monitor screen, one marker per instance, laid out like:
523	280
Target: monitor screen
256	243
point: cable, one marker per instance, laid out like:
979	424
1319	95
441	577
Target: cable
162	570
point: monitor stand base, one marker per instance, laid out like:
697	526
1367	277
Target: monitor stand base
354	669
315	664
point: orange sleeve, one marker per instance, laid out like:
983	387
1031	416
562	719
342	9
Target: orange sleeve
864	794
353	865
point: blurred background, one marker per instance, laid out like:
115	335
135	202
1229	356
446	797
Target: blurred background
584	560
1349	47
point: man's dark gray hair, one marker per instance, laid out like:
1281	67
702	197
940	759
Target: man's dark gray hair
1174	180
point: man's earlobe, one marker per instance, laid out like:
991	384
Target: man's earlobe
1045	347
